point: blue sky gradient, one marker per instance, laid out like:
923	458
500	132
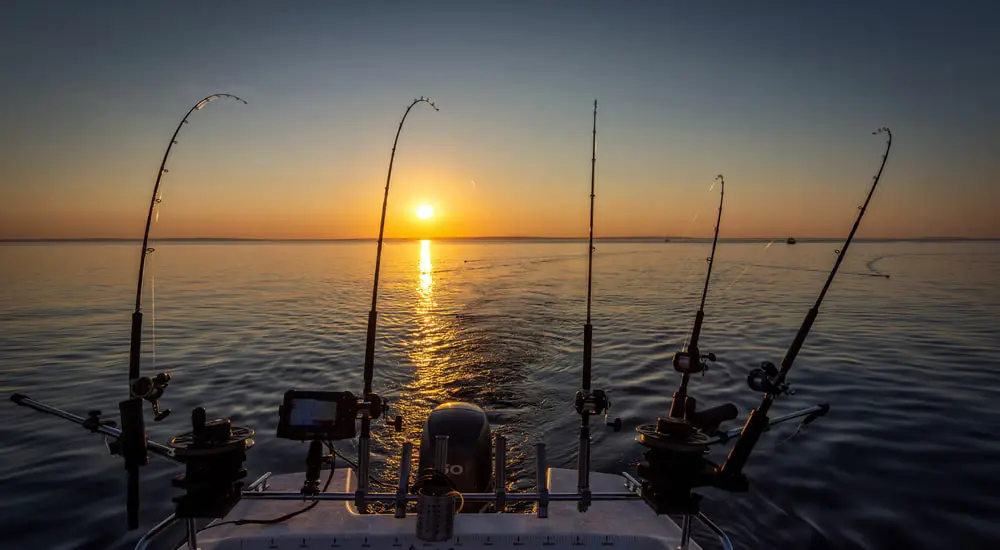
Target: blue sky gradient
780	97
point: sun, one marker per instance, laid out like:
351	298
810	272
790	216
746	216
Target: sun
425	211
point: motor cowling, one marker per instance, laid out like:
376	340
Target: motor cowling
469	464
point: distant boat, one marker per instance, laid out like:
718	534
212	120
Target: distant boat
791	240
666	240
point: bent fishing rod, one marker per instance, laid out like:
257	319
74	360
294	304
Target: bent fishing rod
369	364
152	388
589	402
690	361
134	445
771	380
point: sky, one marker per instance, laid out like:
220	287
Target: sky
780	97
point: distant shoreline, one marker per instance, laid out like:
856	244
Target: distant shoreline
638	239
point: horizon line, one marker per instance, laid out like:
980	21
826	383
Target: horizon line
636	238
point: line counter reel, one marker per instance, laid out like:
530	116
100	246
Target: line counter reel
213	453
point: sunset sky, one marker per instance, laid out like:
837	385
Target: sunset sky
780	97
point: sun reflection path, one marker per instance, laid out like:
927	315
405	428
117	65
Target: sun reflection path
426	279
448	364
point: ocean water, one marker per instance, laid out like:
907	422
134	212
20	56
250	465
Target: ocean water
907	458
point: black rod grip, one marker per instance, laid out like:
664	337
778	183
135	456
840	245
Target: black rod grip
133	435
370	351
588	346
134	349
797	343
134	451
699	318
755	425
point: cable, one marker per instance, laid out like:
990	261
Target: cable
354	465
278	519
290	515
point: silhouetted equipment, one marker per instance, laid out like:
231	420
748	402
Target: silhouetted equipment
369	366
133	450
675	459
152	389
675	462
691	361
143	387
322	415
469	461
589	402
771	380
213	453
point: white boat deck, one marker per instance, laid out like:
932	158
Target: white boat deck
607	525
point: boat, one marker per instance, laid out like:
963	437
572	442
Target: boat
458	496
791	240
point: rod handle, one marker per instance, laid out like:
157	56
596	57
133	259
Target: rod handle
134	350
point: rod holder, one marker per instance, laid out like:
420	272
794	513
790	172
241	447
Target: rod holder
500	473
435	516
360	502
542	476
404	477
685	532
441	453
583	468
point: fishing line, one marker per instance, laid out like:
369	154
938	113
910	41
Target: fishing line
686	233
745	268
152	279
874	273
152	307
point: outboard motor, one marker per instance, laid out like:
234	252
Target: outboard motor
469	465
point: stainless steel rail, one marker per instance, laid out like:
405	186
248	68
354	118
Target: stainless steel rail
735	432
143	543
723	538
469	497
24	400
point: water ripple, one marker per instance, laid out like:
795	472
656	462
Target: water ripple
906	457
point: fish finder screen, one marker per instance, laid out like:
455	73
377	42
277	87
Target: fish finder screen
313	412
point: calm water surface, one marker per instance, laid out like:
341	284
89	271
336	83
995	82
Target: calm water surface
907	458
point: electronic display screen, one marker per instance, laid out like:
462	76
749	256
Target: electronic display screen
309	413
323	415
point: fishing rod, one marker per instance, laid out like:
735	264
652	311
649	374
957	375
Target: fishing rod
589	402
771	380
588	329
369	364
134	445
689	361
144	387
676	459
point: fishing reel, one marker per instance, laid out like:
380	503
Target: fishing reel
765	378
151	389
596	403
687	363
213	453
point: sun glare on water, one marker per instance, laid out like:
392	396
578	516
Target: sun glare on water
425	211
